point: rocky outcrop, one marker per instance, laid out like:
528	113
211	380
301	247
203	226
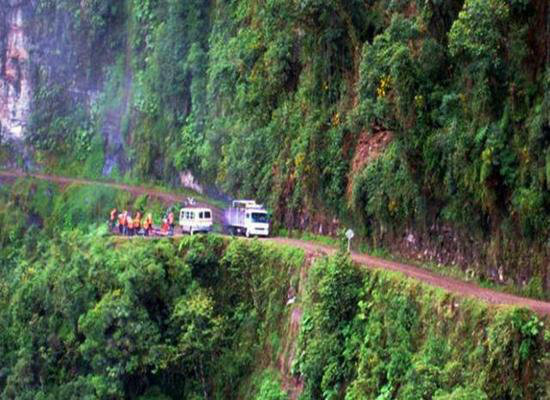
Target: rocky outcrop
15	82
188	181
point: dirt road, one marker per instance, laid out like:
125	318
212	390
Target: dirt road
450	284
167	197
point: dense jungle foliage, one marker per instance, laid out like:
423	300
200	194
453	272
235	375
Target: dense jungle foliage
375	335
276	100
85	315
287	102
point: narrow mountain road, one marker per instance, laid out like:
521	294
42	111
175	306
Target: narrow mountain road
431	278
135	190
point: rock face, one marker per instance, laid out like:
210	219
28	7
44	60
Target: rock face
52	70
188	181
15	82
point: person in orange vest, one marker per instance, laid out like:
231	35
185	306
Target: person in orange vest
137	223
171	222
148	224
122	223
129	225
113	219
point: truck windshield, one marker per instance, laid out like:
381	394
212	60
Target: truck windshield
260	217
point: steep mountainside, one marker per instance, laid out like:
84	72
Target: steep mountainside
423	124
92	316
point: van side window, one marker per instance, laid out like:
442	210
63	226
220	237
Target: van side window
207	215
201	215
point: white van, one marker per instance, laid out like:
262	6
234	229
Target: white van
193	220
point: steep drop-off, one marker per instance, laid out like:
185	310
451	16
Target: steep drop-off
205	317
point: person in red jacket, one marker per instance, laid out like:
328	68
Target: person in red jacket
171	222
165	227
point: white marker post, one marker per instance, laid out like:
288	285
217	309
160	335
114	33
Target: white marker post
349	234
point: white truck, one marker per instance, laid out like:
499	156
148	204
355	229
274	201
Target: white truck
248	218
193	220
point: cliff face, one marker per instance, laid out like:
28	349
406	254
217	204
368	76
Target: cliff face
53	64
15	82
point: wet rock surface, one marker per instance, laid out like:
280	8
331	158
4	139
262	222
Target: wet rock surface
48	62
15	79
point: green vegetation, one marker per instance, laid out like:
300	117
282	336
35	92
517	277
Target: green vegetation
307	236
65	128
91	316
270	388
372	334
283	101
94	318
30	204
270	99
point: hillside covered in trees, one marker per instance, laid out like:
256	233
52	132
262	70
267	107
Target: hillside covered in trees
85	315
424	124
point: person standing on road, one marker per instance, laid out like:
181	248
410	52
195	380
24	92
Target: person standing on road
137	223
125	223
121	219
165	227
171	223
148	224
129	225
112	220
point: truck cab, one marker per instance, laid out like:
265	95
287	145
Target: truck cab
193	220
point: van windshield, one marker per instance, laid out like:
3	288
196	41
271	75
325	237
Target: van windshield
260	217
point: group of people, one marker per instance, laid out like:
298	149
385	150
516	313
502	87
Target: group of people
129	225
